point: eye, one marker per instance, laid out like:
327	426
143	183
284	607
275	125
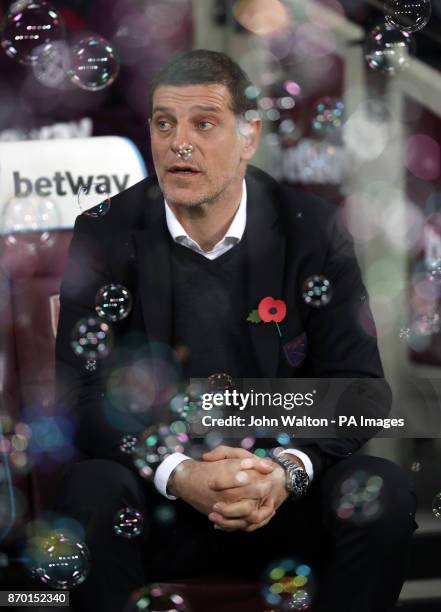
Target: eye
163	124
205	125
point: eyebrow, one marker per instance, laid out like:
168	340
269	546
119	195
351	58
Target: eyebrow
207	109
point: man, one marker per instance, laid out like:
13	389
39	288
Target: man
198	247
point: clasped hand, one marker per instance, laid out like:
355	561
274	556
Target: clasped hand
236	489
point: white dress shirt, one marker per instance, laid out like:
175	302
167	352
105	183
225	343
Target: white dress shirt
233	235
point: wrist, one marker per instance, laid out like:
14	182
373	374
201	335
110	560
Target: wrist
179	477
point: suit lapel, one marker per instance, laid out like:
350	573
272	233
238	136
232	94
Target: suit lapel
154	273
266	261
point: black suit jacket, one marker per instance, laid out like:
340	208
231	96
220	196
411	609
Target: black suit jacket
290	236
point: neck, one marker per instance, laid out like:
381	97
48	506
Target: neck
208	223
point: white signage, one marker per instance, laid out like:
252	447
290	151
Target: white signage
41	182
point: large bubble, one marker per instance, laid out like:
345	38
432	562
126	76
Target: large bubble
28	222
28	26
359	498
59	561
113	302
92	338
408	15
93	64
388	50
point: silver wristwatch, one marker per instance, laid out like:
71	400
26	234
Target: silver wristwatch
297	480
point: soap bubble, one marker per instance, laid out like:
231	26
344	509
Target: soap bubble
52	63
93	64
94	200
30	214
262	17
388	50
359	498
113	302
27	26
159	441
128	444
416	466
184	405
59	561
92	338
295	350
427	324
434	270
328	116
128	523
165	514
91	365
288	584
404	332
156	598
317	291
289	131
219	382
408	15
436	505
248	443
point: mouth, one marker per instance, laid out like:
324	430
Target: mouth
183	170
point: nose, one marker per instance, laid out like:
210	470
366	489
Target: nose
181	138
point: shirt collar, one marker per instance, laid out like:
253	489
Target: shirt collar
234	232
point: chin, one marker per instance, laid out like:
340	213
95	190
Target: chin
183	197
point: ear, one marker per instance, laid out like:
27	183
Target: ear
250	132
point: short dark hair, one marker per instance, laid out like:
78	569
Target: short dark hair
201	67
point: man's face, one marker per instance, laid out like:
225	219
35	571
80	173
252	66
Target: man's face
199	115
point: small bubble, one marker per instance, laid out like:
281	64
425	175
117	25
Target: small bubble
113	302
317	291
128	523
388	50
91	365
93	65
92	338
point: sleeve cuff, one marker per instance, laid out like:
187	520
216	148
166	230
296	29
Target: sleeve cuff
164	471
304	458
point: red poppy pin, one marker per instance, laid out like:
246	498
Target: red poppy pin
269	310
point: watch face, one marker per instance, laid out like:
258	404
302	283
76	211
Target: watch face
299	482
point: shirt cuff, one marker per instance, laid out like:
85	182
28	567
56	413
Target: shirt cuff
304	458
164	471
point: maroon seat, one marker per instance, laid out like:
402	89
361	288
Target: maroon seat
30	276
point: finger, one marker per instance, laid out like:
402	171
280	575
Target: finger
227	524
242	508
264	466
229	481
226	452
254	527
256	490
259	515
